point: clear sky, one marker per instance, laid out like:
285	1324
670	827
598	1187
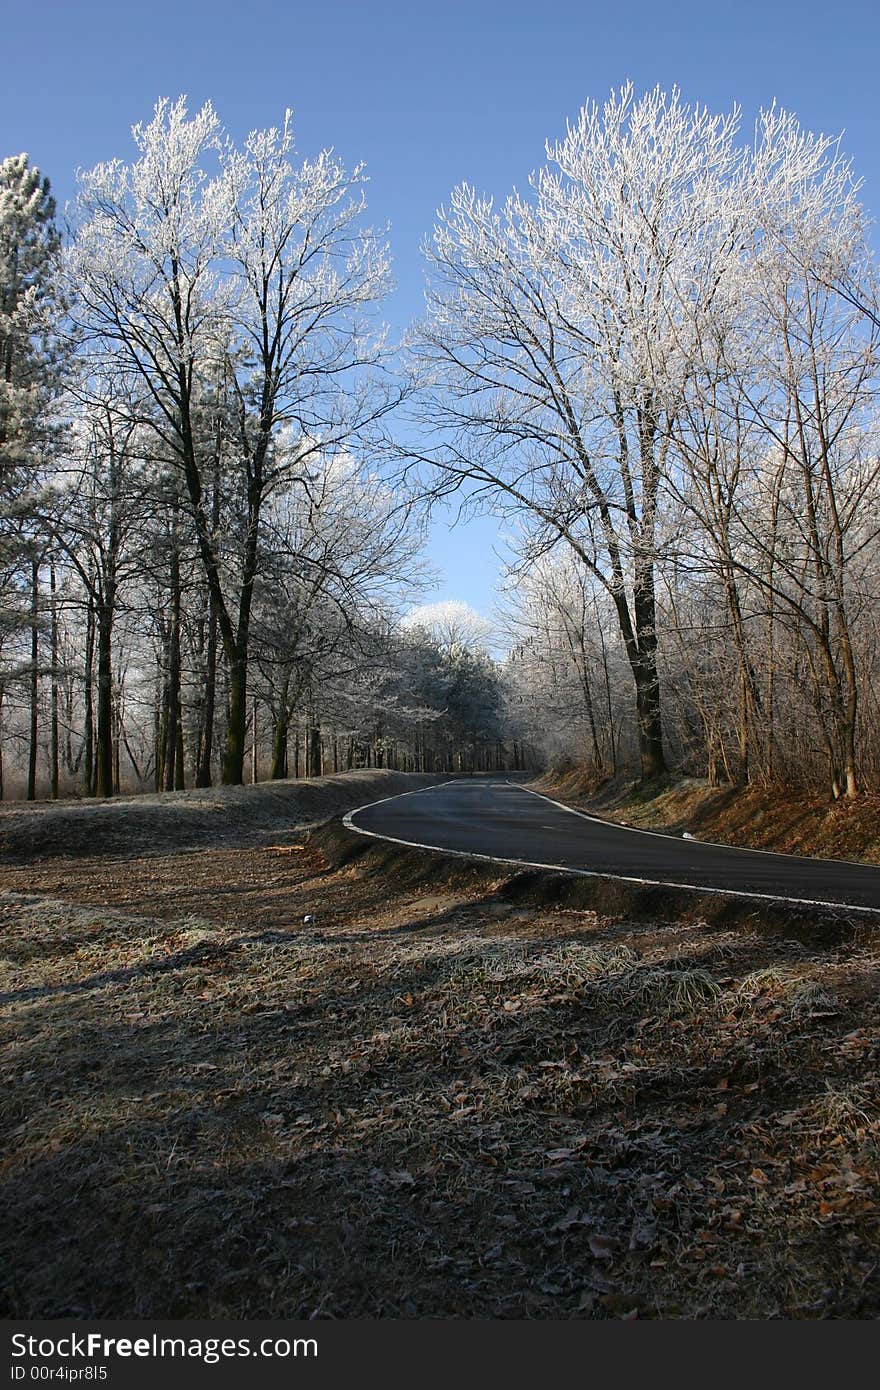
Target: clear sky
427	95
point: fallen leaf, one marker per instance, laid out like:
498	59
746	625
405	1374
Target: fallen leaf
402	1178
573	1217
603	1247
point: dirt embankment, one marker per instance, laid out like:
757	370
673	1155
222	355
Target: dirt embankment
786	821
191	819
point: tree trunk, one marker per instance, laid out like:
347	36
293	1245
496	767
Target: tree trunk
104	764
849	707
179	760
206	742
158	743
34	682
314	754
117	757
650	728
88	700
254	756
650	722
279	748
173	778
236	733
54	746
279	734
206	745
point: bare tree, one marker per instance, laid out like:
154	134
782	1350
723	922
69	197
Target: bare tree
99	504
263	268
558	345
777	435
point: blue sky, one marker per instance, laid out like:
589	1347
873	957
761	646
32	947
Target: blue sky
427	95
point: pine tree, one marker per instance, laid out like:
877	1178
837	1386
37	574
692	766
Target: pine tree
29	306
29	244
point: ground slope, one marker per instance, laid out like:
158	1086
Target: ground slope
189	819
770	818
455	1091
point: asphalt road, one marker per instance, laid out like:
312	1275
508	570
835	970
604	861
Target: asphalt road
497	819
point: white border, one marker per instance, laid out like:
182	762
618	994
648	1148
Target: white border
595	873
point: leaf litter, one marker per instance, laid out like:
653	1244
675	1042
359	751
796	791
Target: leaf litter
422	1104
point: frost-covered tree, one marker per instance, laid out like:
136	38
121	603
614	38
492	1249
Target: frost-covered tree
452	624
559	341
102	498
336	554
29	310
201	267
777	437
662	359
29	245
563	664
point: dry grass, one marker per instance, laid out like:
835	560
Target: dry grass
189	819
775	818
437	1099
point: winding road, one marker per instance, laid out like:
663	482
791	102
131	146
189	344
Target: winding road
494	818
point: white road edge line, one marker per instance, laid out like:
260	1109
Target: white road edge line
589	873
395	796
664	835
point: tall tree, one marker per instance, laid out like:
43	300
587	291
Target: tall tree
264	268
29	245
100	502
29	307
559	339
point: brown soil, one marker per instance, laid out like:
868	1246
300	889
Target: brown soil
455	1091
788	821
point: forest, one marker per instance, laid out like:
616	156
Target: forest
657	366
302	1021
